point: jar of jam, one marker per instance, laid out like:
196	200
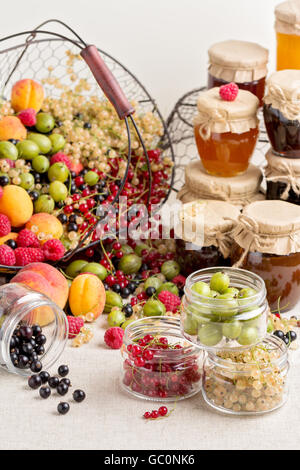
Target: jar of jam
248	382
239	190
287	27
226	132
244	63
283	178
268	243
282	112
203	235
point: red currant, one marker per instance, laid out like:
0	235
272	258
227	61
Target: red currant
154	414
162	411
147	415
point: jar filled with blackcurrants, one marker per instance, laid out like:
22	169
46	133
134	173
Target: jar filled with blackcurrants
282	178
157	363
34	330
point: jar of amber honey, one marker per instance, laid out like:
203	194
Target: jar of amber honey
287	27
267	238
283	178
239	190
226	132
244	63
282	112
203	234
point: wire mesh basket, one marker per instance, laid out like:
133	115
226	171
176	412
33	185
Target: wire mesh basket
32	54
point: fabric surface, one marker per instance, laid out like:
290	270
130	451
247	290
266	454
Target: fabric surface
111	419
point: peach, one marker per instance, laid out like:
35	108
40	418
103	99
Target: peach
47	224
12	128
44	278
16	204
87	294
10	236
26	94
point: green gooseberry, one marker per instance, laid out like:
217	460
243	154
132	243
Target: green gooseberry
201	288
152	281
75	268
170	269
227	306
232	330
247	292
213	294
95	268
42	141
44	203
126	250
130	264
116	317
57	143
210	334
220	282
232	291
190	326
91	178
248	336
153	308
27	180
168	286
8	150
112	300
139	248
27	149
44	122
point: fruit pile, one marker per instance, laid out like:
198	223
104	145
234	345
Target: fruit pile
157	369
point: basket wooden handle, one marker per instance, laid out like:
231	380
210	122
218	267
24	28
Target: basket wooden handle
107	81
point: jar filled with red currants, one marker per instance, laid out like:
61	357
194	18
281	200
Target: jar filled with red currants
33	330
157	363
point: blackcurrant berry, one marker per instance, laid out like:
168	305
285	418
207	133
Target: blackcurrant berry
35	381
45	376
116	288
150	291
34	357
11	243
128	310
72	227
12	342
292	336
125	292
23	362
87	125
37	330
40	339
45	392
40	350
63	408
53	382
79	395
279	334
14	359
63	218
26	332
34	195
66	381
27	349
62	389
63	370
4	180
36	367
131	286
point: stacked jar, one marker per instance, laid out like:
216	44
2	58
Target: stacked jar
287	28
224	312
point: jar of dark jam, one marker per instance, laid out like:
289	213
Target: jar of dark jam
267	238
244	63
203	236
282	113
283	178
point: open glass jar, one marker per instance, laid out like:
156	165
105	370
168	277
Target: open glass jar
157	363
282	112
249	382
244	63
226	132
230	321
287	27
21	306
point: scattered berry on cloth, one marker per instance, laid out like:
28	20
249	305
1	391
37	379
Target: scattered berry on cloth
114	337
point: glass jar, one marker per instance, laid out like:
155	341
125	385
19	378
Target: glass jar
275	190
23	306
282	178
191	257
157	363
280	273
282	113
248	382
287	34
226	132
221	324
242	62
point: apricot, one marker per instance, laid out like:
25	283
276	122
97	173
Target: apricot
87	294
47	224
26	94
16	204
12	128
10	236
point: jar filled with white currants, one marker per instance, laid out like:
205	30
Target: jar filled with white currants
224	308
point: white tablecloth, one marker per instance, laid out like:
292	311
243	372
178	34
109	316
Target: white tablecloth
110	419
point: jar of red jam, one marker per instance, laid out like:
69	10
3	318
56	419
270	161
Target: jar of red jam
287	27
267	238
283	178
238	190
244	63
282	112
203	235
226	132
157	363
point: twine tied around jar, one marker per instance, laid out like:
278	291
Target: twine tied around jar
284	173
206	121
288	106
222	240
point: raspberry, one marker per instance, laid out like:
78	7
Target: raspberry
5	226
27	238
114	337
170	300
27	255
28	117
7	256
179	280
53	249
229	92
60	157
75	325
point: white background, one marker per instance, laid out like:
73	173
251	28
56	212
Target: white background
163	42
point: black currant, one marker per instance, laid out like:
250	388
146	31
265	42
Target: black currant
87	125
36	366
35	381
62	389
45	392
34	195
279	334
66	381
131	286
37	330
63	370
79	395
71	227
63	218
40	350
4	180
292	336
45	376
23	361
125	292
40	339
27	349
128	310
26	332
53	382
13	342
14	359
11	243
116	288
150	291
63	408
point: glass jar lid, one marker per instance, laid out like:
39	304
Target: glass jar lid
271	227
287	16
240	190
285	170
207	223
284	93
238	61
217	115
